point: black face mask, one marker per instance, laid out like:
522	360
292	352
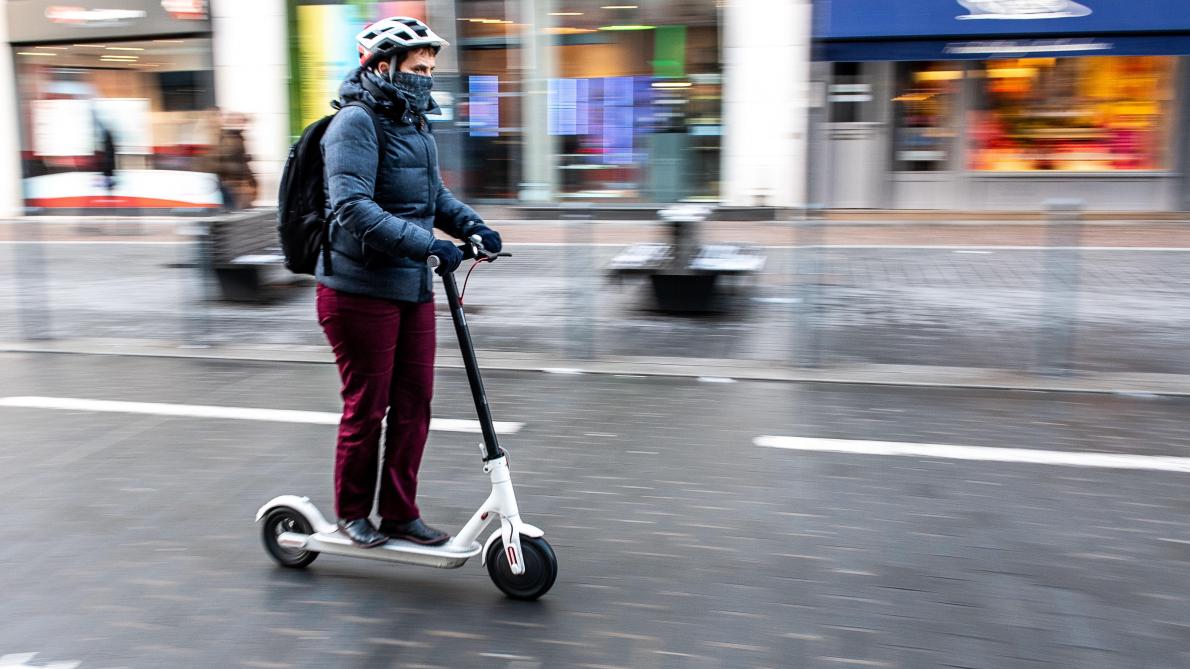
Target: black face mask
414	88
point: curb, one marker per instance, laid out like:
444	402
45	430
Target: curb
707	370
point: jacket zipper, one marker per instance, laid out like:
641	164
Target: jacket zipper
427	281
421	127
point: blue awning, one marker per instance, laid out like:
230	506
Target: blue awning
992	48
991	19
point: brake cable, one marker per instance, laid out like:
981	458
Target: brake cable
468	277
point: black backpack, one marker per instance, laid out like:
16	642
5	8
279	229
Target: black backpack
301	212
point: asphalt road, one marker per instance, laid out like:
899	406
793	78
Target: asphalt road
129	538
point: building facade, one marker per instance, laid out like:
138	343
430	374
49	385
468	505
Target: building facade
555	100
975	104
916	104
644	101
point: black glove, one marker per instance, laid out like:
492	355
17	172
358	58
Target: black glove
491	238
449	255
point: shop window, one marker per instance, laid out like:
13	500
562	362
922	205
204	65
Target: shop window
1090	114
187	90
923	111
633	101
118	124
484	95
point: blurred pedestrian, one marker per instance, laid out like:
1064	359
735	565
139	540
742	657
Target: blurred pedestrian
230	162
105	161
375	300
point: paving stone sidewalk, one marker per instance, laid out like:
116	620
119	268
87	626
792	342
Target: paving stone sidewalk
986	308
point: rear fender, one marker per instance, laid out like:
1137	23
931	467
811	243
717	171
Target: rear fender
302	505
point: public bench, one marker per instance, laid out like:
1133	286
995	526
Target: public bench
685	275
245	254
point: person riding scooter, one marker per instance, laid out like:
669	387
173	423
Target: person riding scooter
376	302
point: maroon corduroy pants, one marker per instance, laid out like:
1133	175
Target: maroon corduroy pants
385	353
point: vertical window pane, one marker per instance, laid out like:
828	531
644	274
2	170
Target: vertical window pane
485	105
923	114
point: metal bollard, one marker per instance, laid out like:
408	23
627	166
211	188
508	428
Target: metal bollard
582	280
31	281
1055	348
196	294
807	287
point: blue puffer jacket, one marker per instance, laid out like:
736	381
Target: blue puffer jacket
382	219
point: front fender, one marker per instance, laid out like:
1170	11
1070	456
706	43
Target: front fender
525	529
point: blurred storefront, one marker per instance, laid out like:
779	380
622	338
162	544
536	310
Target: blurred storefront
633	100
543	100
975	104
115	104
548	100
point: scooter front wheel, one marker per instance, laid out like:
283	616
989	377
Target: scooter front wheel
277	522
541	568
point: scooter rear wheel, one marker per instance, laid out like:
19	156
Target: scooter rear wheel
541	568
278	521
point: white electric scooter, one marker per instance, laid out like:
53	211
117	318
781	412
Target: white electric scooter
519	560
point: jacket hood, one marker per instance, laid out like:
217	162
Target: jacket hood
376	92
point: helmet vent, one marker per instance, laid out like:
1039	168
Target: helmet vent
398	32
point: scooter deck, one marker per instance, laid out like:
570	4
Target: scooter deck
446	556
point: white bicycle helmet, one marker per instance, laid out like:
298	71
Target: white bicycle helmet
397	32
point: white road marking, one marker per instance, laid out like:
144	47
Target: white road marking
130	242
949	247
910	247
18	660
785	247
233	413
958	249
991	454
715	379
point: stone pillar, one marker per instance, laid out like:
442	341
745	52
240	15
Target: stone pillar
766	90
448	90
539	160
252	77
11	191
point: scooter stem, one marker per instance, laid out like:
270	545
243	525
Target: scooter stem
491	445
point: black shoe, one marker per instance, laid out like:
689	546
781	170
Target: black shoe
415	531
362	533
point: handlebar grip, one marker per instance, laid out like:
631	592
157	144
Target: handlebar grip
433	262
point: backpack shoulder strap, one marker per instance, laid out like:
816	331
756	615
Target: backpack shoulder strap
375	124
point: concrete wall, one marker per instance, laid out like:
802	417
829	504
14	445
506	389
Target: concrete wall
10	161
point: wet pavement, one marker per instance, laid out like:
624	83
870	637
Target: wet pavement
130	541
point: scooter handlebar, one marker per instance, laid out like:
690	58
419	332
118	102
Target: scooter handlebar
472	250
